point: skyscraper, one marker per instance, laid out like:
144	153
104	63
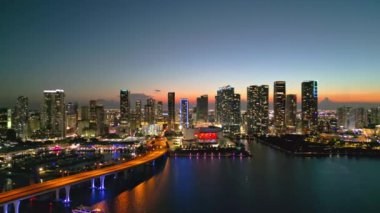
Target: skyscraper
227	106
171	109
149	111
138	113
84	113
374	116
361	118
346	117
21	115
279	99
71	116
93	111
309	107
5	118
159	111
184	113
53	113
125	108
100	120
291	110
202	108
257	110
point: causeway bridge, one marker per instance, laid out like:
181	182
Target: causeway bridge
17	195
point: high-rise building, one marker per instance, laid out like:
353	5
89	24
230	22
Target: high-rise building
5	118
184	113
125	108
84	113
71	116
291	110
138	113
93	111
171	109
159	111
257	110
346	117
227	106
34	122
361	118
202	108
100	120
149	111
53	113
279	100
21	115
309	107
374	116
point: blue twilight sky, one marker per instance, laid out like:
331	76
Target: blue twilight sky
93	48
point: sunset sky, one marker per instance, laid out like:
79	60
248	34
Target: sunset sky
93	48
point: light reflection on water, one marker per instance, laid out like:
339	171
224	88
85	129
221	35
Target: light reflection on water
137	199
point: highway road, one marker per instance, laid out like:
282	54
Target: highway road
51	185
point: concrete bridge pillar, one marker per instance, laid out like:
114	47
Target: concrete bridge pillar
102	182
16	205
93	183
57	194
5	207
67	195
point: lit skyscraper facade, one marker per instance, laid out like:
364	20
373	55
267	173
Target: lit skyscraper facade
257	110
202	108
159	111
171	109
21	115
149	111
279	99
125	108
138	109
184	113
291	110
5	118
93	111
100	120
53	113
227	106
309	107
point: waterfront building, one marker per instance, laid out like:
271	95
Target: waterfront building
184	113
257	110
374	116
202	109
228	110
279	101
171	109
346	117
309	107
53	113
291	112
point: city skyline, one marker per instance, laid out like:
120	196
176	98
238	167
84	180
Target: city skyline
139	46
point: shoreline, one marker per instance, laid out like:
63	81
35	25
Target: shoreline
344	152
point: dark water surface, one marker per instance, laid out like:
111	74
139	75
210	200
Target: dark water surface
270	181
